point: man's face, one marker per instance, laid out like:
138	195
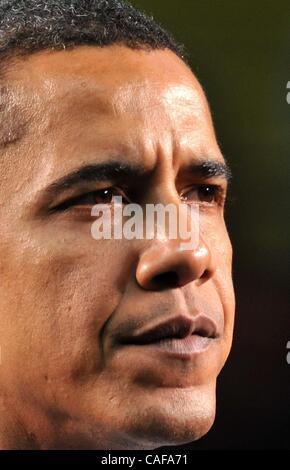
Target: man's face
73	373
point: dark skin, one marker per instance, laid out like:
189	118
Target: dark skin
64	380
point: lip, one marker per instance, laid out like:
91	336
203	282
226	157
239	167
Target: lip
185	347
180	336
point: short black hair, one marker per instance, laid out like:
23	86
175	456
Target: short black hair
28	26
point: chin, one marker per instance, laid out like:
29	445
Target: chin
179	420
158	434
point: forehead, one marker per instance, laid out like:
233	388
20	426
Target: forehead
113	97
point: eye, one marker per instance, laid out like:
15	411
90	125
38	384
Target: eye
101	196
203	193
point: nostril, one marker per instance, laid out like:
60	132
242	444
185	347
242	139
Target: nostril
206	275
165	280
201	332
166	266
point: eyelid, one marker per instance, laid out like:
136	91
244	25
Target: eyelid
220	192
73	201
197	186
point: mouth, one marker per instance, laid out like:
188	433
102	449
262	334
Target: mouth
179	336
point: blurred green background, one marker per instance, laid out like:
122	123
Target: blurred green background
240	51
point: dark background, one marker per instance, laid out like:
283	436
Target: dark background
240	51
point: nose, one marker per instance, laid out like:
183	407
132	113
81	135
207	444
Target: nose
165	265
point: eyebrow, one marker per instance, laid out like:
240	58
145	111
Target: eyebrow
119	171
208	168
96	173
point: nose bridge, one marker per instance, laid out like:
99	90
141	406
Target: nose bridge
168	260
173	261
176	217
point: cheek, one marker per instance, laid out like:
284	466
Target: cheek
224	285
217	238
59	293
222	252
